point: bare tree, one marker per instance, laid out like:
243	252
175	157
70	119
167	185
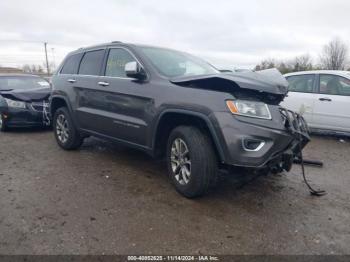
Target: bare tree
34	69
334	55
299	63
266	64
302	63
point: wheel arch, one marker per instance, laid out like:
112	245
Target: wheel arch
57	102
169	119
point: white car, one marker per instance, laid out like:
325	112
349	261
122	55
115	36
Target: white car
322	97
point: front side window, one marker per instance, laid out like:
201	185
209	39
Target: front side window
301	83
117	58
334	85
91	63
171	63
71	64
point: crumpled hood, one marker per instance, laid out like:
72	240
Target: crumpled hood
27	95
268	81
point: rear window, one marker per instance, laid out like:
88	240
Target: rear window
91	63
22	82
71	64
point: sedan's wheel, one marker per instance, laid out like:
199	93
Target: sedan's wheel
3	127
67	136
191	159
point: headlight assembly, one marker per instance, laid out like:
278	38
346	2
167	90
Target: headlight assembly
15	104
249	108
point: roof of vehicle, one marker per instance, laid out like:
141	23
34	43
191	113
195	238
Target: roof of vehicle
333	72
114	43
100	46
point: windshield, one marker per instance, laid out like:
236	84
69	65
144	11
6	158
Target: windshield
171	63
22	82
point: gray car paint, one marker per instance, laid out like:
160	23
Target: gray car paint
129	110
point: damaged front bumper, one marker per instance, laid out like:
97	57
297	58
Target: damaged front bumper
262	144
35	114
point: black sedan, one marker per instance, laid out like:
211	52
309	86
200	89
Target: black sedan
23	101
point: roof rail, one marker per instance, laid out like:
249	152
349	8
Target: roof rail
116	42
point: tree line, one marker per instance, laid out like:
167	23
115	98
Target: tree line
334	56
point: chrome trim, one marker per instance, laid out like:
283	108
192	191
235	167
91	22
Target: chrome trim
103	83
71	80
262	143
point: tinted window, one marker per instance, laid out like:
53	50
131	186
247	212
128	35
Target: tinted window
91	63
334	85
71	65
116	61
301	83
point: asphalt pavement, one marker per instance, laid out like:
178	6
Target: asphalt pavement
107	199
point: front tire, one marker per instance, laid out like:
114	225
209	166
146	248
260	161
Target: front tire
191	160
66	134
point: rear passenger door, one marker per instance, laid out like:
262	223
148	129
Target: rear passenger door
301	96
87	90
332	104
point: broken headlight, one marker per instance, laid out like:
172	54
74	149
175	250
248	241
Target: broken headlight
15	104
249	108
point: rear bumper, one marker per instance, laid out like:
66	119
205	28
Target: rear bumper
278	145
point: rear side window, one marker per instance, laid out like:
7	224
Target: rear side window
301	83
334	85
117	58
71	64
91	63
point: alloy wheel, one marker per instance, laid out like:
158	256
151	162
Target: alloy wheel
180	161
62	129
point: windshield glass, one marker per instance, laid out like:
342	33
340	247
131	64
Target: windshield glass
22	82
173	63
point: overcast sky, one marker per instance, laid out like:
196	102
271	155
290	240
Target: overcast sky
227	33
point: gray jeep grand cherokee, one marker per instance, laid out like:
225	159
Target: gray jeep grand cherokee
169	103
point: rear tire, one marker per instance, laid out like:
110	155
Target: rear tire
3	127
191	160
66	134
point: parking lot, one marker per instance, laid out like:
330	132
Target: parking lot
105	199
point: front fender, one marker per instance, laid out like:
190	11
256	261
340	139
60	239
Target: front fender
210	123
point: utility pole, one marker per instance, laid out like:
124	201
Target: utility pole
47	60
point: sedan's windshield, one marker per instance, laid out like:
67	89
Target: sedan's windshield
22	82
171	63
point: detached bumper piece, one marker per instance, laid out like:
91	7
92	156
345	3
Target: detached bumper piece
43	107
295	125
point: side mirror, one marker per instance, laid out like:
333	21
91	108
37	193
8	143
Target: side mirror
134	70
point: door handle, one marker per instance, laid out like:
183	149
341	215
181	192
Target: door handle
71	80
103	83
325	99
